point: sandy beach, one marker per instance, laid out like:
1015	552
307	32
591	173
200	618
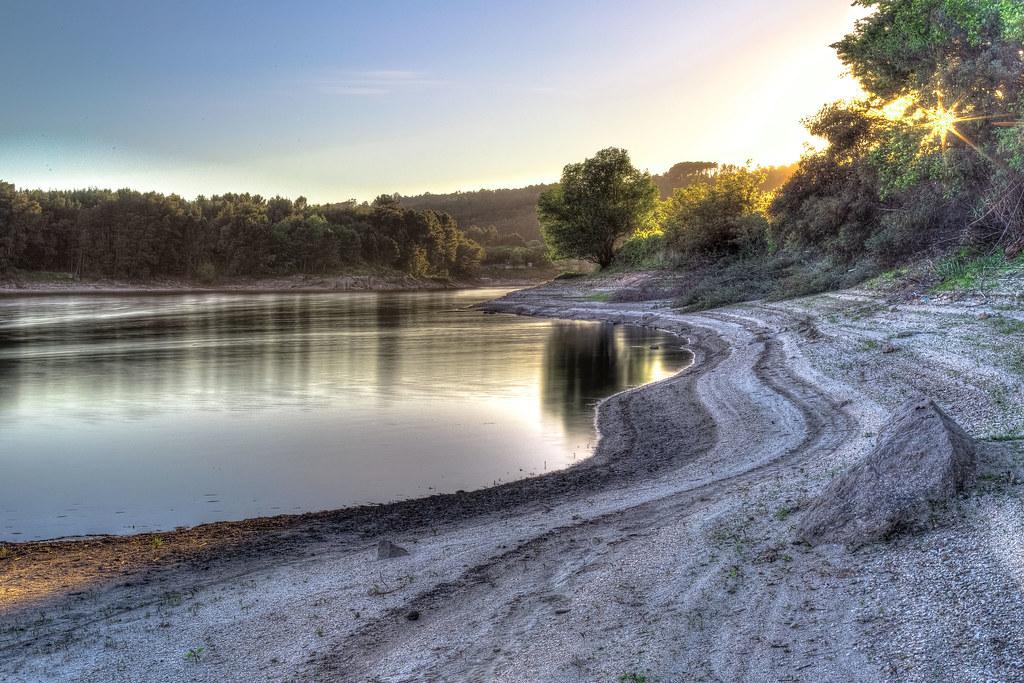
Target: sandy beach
669	554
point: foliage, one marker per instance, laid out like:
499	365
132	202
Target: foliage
724	215
933	155
514	211
597	203
645	249
783	275
967	270
127	234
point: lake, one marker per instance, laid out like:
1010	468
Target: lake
122	414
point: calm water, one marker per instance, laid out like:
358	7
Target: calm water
125	414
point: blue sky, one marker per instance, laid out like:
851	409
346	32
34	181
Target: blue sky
350	99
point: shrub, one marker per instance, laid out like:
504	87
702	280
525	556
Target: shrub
726	215
643	250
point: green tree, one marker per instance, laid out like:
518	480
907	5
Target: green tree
723	215
597	203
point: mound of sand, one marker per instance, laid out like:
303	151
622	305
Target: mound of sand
922	460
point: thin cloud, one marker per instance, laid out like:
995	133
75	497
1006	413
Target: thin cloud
376	82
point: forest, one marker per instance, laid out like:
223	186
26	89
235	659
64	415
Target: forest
134	235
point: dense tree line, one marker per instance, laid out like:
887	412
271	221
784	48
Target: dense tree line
128	234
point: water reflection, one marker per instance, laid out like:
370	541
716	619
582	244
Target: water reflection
121	414
585	362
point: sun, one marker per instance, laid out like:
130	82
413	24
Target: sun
942	121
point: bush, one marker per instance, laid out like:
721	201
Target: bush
644	250
723	216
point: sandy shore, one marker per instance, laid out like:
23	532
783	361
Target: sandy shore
668	554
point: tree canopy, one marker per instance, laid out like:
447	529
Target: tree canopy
597	203
128	234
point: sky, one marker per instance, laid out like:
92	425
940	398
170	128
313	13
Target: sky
350	99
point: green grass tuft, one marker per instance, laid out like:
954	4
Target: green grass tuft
963	271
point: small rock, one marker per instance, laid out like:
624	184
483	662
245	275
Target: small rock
386	550
889	347
412	615
984	316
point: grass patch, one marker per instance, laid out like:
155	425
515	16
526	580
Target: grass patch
966	271
634	677
785	275
1006	325
1016	361
783	513
600	296
887	280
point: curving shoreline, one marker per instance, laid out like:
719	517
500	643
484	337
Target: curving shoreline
229	541
669	552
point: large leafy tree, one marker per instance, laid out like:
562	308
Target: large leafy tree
597	203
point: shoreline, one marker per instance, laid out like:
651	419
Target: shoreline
457	506
300	284
668	553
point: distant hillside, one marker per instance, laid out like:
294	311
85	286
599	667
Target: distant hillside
514	210
507	211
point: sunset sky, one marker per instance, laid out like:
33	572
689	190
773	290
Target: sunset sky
334	100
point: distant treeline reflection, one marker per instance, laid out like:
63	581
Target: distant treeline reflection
585	362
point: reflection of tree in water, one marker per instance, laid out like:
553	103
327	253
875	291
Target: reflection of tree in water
10	383
389	318
585	362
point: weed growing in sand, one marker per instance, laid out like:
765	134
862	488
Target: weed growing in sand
636	678
5	552
733	572
171	599
1016	361
869	345
599	296
1006	325
195	654
157	543
783	513
384	588
319	632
